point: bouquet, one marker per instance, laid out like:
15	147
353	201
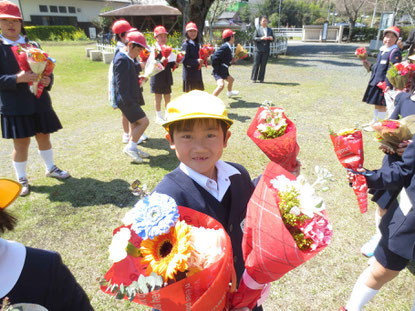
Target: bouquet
348	146
399	74
144	55
392	132
361	53
179	59
170	258
205	52
285	226
240	52
153	67
165	52
275	135
33	59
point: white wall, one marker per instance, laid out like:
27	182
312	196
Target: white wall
89	10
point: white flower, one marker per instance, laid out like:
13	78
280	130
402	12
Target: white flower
295	210
119	244
262	127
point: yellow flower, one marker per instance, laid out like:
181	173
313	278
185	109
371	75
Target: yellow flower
168	253
346	132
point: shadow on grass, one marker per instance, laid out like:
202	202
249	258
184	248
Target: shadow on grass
240	103
80	192
282	83
235	116
166	161
156	143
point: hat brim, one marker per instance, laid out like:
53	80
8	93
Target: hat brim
167	124
192	28
165	32
230	35
3	16
9	191
392	31
144	46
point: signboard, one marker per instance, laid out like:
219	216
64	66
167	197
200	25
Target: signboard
92	33
256	22
325	30
386	20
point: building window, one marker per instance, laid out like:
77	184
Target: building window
62	9
43	8
71	9
53	8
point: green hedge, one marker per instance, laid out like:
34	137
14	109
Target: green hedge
55	33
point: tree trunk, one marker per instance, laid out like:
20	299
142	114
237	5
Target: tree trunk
195	11
351	28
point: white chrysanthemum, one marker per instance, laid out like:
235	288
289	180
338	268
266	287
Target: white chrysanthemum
262	127
119	244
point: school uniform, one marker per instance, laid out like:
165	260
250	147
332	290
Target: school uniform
22	114
229	208
161	83
192	76
262	49
221	60
373	94
38	277
128	95
397	244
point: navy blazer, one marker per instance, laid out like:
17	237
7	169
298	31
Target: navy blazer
382	65
262	45
397	229
16	98
164	77
221	60
46	281
186	192
190	62
127	89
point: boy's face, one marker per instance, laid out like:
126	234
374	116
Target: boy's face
200	147
389	39
232	40
134	51
161	39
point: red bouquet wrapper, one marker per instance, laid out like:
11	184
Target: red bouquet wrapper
269	249
179	59
144	55
382	86
48	72
205	52
348	146
282	150
206	290
165	52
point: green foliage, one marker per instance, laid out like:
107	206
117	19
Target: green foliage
319	21
174	39
103	23
55	33
361	33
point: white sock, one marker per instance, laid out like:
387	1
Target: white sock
413	306
20	169
126	135
361	293
132	145
378	218
382	115
47	157
159	114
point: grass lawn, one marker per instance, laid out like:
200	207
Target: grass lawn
76	217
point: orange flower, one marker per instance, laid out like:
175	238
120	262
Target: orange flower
168	253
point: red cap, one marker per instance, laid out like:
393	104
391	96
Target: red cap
159	30
137	38
191	26
395	30
227	33
9	10
120	26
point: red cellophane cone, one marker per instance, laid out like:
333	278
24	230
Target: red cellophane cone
48	72
268	247
349	151
282	150
205	290
144	54
165	52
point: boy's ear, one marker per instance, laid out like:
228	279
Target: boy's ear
170	140
228	135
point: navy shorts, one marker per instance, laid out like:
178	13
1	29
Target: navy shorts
389	259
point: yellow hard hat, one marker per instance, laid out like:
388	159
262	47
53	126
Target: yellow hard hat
196	105
9	191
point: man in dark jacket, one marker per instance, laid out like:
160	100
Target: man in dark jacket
409	44
263	36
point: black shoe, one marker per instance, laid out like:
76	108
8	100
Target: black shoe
261	81
253	81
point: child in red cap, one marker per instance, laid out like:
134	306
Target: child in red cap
221	60
192	75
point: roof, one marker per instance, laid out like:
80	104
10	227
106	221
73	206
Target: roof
227	15
143	10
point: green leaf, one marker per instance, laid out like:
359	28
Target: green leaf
119	295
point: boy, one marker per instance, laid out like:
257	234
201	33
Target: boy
128	94
221	60
198	130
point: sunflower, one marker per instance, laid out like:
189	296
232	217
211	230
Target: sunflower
168	253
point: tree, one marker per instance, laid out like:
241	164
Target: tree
193	10
351	9
217	9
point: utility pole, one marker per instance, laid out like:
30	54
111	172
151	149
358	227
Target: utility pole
279	15
374	15
328	12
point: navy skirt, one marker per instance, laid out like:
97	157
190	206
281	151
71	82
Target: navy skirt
44	122
190	85
374	96
160	89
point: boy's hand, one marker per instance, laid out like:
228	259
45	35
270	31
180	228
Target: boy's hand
366	64
402	146
26	77
144	79
234	60
201	61
45	80
350	175
386	149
